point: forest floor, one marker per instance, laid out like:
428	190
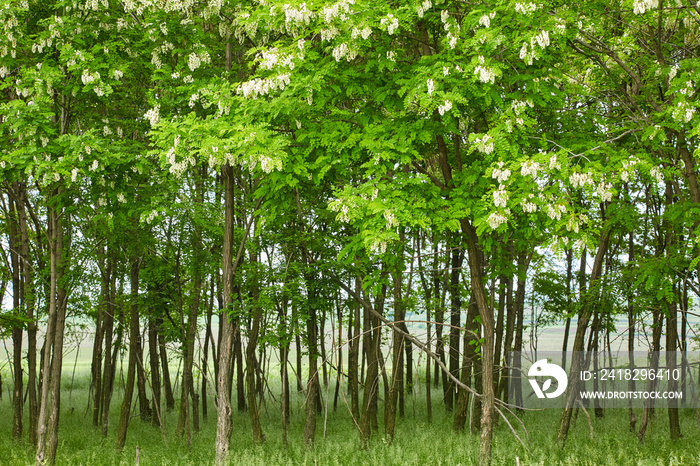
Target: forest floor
337	442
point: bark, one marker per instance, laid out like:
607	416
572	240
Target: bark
49	402
108	371
155	369
353	356
455	324
397	348
587	306
224	424
658	316
134	352
476	264
17	292
470	365
167	385
28	302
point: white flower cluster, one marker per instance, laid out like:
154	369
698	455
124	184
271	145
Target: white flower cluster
484	144
688	90
555	211
431	86
378	246
149	218
500	196
257	86
525	8
485	20
193	100
153	115
338	206
656	173
572	224
628	169
673	72
641	6
423	7
365	32
604	191
267	164
343	51
496	219
329	33
178	168
195	60
270	59
500	174
486	75
683	112
391	23
530	167
300	16
445	107
88	77
580	179
518	105
390	218
528	54
451	40
554	163
529	206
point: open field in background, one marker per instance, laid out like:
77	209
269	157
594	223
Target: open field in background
416	441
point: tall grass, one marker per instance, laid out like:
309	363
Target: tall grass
416	442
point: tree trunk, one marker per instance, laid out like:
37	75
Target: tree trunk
476	264
134	353
587	306
167	385
17	295
224	424
455	324
47	427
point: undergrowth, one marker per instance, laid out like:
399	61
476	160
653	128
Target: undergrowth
416	442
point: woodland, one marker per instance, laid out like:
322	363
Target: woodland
267	220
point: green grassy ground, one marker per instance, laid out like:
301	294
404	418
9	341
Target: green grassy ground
416	442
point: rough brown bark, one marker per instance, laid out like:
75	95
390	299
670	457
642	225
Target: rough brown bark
224	424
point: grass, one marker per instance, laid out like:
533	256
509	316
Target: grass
416	442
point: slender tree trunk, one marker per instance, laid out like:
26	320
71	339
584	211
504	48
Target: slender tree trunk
47	428
17	333
108	370
397	348
469	366
585	313
353	363
224	424
658	316
455	324
476	264
29	302
167	385
134	353
155	369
